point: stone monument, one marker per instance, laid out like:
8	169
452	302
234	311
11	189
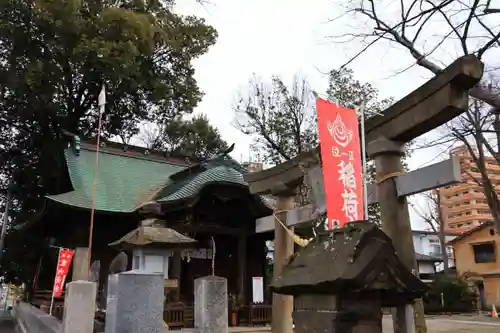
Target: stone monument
341	280
210	304
95	268
79	307
117	265
134	303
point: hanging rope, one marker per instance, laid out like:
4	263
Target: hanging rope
388	176
94	185
213	255
296	239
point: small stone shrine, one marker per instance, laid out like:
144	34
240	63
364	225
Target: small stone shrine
342	279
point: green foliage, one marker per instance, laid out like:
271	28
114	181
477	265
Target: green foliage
453	290
194	138
56	55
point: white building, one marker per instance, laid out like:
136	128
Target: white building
428	252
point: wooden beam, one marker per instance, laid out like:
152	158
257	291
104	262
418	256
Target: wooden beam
433	176
436	102
209	228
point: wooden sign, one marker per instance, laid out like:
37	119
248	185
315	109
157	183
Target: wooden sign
171	283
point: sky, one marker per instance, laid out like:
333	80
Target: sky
289	37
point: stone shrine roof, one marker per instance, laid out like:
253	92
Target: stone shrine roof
153	233
358	259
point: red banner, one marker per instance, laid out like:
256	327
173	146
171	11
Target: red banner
63	264
341	160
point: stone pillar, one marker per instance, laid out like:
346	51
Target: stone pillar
328	313
210	304
79	307
135	303
283	249
176	274
396	219
242	269
81	264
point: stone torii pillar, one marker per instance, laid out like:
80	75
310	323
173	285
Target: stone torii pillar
283	249
434	103
396	218
281	182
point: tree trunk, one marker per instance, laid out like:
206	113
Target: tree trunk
441	235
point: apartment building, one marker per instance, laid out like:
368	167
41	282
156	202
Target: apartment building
464	205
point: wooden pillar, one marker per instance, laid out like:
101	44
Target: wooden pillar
283	249
176	274
242	268
396	220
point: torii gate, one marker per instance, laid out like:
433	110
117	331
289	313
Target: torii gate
434	103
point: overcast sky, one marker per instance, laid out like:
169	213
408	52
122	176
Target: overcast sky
288	37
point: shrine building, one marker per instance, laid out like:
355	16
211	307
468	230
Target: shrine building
206	201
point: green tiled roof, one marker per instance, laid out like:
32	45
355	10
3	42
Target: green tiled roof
189	182
123	182
191	186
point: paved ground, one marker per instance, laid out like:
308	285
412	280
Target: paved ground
454	324
435	324
7	324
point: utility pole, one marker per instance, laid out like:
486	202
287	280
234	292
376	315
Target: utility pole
5	219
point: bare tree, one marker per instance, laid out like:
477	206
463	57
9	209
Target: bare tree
280	118
469	24
433	217
478	130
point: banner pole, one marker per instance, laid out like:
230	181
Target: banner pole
363	161
52	298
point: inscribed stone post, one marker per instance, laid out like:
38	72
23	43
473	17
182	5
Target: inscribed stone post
135	303
81	264
210	304
79	307
95	268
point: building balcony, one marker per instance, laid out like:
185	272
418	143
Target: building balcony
461	219
453	189
465	207
440	256
462	197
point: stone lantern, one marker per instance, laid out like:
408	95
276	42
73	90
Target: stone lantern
341	280
152	244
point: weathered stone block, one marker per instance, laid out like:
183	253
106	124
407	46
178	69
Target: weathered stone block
79	307
81	264
210	304
135	303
